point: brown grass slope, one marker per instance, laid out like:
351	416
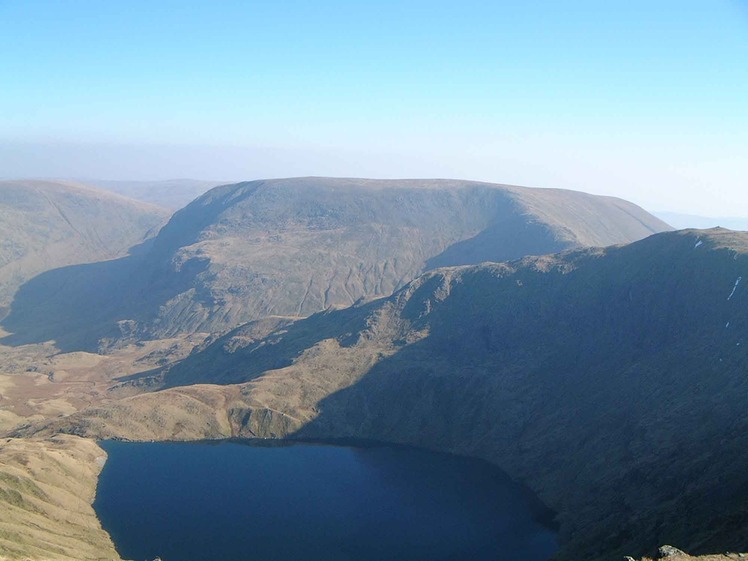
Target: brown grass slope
611	381
293	247
50	224
46	491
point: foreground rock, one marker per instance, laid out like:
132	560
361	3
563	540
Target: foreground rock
674	554
47	488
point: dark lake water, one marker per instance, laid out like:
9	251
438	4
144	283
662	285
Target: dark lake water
305	502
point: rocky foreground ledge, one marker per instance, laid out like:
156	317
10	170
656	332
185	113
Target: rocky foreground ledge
670	553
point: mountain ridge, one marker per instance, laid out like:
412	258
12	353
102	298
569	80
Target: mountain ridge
292	247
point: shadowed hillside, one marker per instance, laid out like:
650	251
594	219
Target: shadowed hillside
611	381
45	225
294	247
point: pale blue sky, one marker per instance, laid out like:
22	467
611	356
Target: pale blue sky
647	100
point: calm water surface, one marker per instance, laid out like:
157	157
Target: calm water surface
233	502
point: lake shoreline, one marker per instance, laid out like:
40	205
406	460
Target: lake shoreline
420	468
542	513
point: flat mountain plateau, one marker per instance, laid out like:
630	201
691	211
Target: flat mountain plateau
293	247
45	225
610	381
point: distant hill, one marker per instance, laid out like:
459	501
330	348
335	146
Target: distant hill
292	247
684	221
46	224
171	194
611	381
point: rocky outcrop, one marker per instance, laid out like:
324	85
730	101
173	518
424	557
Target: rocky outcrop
674	554
666	551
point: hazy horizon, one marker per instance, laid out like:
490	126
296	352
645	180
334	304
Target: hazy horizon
641	101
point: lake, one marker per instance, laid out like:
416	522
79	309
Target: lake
235	501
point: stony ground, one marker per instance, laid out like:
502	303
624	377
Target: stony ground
670	553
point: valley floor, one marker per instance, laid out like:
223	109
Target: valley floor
37	382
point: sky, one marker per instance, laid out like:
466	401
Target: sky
645	100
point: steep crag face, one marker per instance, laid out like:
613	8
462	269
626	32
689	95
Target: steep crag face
294	247
611	381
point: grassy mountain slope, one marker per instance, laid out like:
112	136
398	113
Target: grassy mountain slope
293	247
46	489
611	381
45	225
